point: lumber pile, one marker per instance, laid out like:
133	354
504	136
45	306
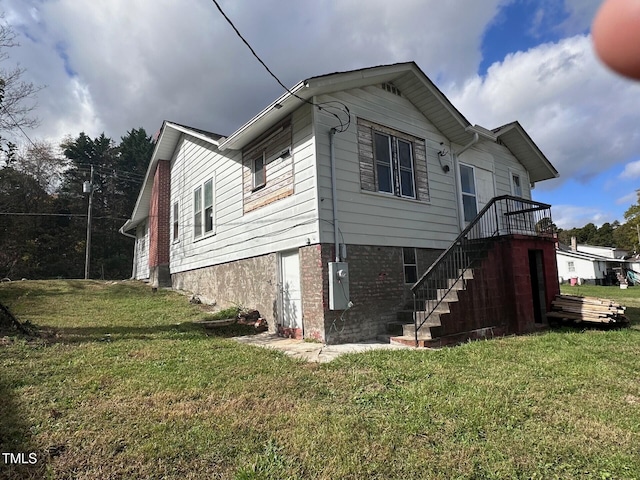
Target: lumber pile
587	309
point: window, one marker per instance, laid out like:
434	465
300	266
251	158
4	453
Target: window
410	265
259	177
208	206
175	222
383	162
394	168
203	214
468	187
197	212
571	266
392	162
516	186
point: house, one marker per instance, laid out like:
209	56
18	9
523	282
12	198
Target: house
581	263
325	210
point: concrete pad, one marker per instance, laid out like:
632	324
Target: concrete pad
311	351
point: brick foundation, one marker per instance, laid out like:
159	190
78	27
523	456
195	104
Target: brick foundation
376	288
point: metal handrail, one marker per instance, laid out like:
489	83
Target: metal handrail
504	215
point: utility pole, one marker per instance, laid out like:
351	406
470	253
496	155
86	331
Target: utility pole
88	187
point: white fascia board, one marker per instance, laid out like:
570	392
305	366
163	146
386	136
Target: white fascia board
192	133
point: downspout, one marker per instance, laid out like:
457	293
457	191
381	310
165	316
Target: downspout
456	167
334	193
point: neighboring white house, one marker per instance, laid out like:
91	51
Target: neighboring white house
582	267
324	208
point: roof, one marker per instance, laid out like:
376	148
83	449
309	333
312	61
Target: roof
407	77
587	256
168	139
518	141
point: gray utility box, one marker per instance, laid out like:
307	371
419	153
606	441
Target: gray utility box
339	286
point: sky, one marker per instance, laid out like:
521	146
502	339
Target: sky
114	65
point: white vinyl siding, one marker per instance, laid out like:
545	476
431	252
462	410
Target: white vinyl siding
372	218
504	165
285	224
142	251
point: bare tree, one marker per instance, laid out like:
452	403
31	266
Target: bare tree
44	162
17	96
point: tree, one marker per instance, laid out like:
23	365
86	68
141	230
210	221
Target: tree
21	199
17	97
118	174
41	161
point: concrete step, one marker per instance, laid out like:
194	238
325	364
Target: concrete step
410	341
429	330
457	283
433	320
468	274
447	295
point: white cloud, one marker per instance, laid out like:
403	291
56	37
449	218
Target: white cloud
578	113
145	61
571	216
628	199
631	170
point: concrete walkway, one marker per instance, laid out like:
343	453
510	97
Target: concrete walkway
310	351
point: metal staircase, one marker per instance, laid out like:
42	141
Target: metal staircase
440	284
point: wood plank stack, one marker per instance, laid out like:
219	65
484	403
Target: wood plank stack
587	309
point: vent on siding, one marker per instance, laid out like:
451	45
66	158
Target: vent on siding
391	88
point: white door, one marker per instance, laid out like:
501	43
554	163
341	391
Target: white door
290	293
484	183
477	190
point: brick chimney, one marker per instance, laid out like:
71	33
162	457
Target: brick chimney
159	211
574	244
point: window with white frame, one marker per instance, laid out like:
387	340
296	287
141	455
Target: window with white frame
516	186
410	265
394	165
203	212
176	229
468	187
571	266
258	172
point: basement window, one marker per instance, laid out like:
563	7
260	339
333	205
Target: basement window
410	265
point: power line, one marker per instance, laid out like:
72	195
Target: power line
319	106
19	127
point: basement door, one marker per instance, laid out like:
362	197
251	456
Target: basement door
290	294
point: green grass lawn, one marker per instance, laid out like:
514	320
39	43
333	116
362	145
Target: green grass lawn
124	385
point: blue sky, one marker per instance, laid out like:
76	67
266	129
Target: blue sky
598	197
114	65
